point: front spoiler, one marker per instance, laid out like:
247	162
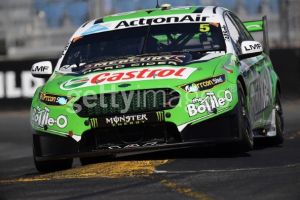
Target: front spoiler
136	150
221	129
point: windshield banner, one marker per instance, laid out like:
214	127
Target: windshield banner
144	21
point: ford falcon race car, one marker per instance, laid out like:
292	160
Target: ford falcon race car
155	79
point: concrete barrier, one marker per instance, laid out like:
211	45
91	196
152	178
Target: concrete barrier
287	64
17	86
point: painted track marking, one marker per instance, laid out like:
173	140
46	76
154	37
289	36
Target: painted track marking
100	170
225	170
185	191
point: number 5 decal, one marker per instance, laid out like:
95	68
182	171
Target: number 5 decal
204	28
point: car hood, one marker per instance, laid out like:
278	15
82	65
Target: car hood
148	74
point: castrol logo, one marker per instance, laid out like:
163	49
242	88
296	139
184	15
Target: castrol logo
129	75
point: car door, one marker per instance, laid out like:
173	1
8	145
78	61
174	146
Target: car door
263	68
253	70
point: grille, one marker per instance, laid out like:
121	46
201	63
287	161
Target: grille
129	102
134	136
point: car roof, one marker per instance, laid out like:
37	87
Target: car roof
155	12
210	13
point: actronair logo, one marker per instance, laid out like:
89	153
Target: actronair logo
192	18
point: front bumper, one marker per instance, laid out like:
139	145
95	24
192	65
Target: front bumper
164	136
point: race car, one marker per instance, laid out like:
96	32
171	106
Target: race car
152	80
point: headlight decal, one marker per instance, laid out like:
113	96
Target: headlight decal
51	99
204	84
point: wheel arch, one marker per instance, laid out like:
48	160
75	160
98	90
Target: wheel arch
278	86
241	80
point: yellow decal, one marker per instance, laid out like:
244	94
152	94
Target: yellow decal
204	28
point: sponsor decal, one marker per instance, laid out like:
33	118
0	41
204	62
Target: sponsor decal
208	104
204	84
75	83
65	49
146	21
124	120
148	144
253	47
119	120
160	116
51	99
128	75
192	18
225	33
174	60
41	117
40	68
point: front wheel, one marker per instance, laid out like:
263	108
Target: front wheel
51	165
246	135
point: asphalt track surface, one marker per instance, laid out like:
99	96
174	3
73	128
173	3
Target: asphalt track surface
268	172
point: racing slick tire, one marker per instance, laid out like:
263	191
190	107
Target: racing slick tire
246	141
51	165
279	122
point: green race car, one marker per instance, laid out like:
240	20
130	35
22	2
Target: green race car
155	79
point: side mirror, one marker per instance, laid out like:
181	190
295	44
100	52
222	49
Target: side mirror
42	69
251	49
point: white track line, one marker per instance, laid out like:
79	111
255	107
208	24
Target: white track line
225	170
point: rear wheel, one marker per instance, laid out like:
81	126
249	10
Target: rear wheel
246	135
51	165
279	123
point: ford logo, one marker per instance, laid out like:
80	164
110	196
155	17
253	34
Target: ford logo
124	85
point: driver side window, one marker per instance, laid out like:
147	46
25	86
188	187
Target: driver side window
245	34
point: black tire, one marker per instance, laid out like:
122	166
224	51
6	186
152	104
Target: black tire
52	165
279	122
246	142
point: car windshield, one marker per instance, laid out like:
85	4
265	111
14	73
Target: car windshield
156	39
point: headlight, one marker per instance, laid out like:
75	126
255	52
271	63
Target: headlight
204	84
51	99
